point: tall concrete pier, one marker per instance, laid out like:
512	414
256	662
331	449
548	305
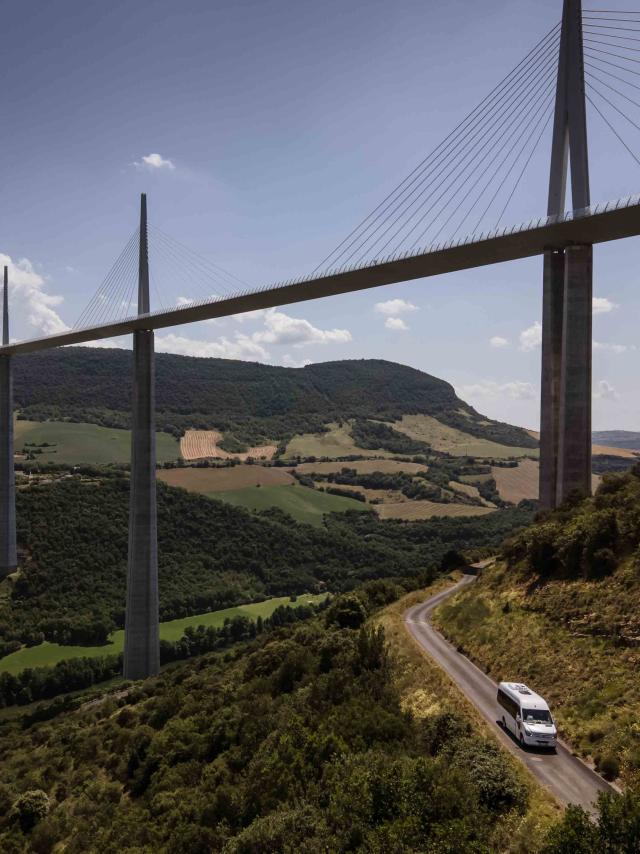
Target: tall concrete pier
8	557
565	418
142	644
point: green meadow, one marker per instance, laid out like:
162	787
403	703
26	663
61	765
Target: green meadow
72	443
48	654
304	504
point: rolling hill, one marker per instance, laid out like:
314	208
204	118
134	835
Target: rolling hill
250	403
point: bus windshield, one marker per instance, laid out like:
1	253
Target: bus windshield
536	716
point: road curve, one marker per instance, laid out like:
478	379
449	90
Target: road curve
564	775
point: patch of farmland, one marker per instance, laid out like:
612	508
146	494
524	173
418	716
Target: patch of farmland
464	488
449	440
385	495
301	502
336	442
412	511
208	481
363	467
203	445
518	484
74	443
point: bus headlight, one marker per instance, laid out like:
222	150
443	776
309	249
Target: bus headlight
527	731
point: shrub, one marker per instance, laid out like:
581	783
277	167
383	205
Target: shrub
30	808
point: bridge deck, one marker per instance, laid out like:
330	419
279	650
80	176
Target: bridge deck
612	221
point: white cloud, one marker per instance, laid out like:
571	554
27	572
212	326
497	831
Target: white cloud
245	316
531	338
394	307
27	297
602	305
289	362
499	343
241	347
488	389
154	161
605	391
612	348
396	324
280	328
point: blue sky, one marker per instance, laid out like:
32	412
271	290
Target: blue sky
278	125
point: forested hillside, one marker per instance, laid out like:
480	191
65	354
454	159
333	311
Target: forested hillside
296	742
72	534
561	612
252	401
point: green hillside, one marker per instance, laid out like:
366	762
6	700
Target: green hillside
66	442
303	504
72	536
253	403
561	611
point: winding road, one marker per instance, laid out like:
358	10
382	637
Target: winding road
564	775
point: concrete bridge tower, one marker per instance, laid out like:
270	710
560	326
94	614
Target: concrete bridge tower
565	423
8	558
142	644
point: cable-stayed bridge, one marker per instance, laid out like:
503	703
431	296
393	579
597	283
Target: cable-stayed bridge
447	215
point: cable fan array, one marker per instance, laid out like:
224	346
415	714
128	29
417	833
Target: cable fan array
170	263
468	181
612	69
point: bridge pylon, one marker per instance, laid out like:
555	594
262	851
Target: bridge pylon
8	555
142	643
565	419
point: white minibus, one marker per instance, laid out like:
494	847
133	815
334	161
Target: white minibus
526	715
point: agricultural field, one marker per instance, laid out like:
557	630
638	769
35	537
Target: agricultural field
48	654
337	442
464	488
304	504
85	443
213	480
449	440
518	484
411	511
203	444
363	467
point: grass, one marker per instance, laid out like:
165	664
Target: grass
426	690
363	467
48	654
449	440
531	635
337	442
86	443
208	481
304	504
410	511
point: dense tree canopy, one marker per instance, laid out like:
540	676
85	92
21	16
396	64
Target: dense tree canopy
253	401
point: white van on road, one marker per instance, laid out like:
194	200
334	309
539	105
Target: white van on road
526	715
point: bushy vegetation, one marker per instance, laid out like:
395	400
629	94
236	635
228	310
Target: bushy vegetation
373	436
566	599
294	742
44	683
586	540
256	403
73	535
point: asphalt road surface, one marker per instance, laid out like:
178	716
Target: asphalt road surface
565	776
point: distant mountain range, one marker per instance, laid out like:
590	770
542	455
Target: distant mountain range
254	402
617	439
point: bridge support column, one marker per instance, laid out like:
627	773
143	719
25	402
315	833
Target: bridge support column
574	458
8	556
552	320
142	644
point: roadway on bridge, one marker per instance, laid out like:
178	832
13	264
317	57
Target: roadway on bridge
565	776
